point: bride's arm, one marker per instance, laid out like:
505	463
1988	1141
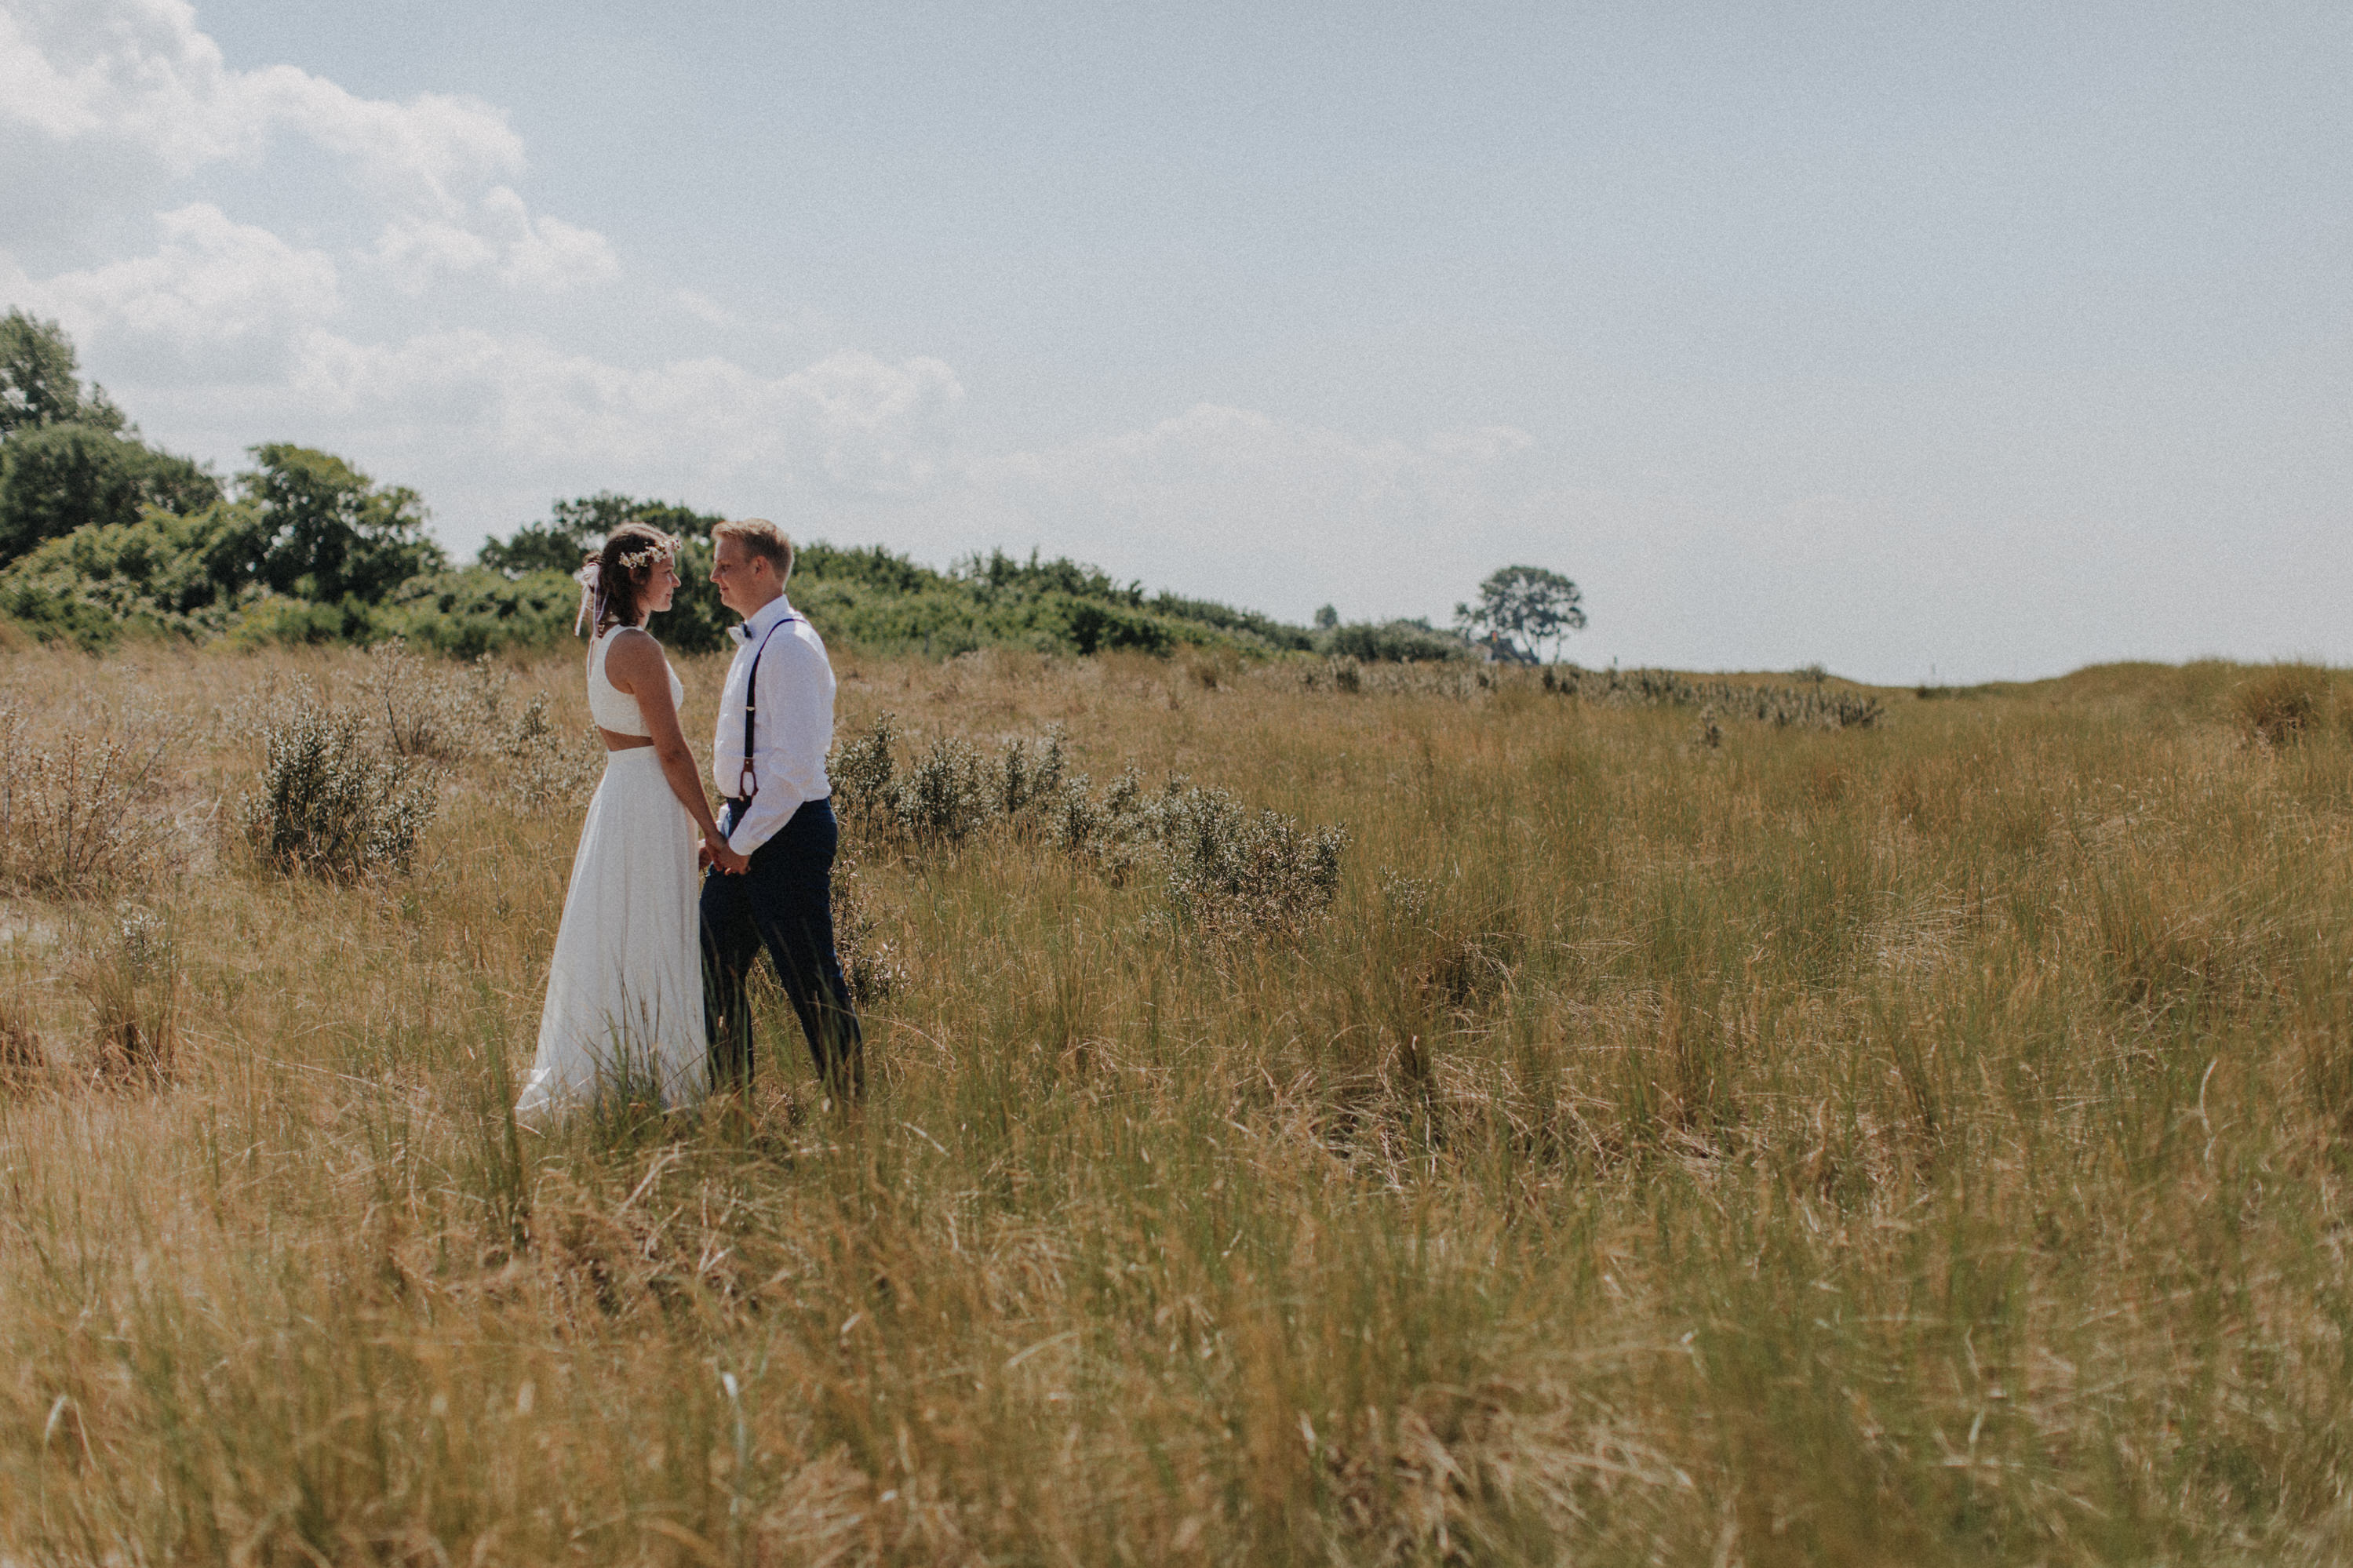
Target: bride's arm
635	665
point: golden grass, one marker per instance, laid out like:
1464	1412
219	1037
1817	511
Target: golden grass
1922	1145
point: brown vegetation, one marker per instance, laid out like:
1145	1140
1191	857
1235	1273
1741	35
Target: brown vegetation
1918	1142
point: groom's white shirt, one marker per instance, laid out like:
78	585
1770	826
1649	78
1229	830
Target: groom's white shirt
793	723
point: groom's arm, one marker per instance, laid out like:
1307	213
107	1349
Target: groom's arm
795	720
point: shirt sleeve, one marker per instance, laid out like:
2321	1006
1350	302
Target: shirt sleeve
794	728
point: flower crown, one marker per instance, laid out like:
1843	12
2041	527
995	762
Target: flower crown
636	558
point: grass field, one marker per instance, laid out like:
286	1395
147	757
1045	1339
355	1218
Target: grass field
1917	1144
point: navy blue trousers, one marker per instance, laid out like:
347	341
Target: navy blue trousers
782	902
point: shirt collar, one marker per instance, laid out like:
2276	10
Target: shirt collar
775	610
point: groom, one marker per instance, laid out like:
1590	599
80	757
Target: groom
775	724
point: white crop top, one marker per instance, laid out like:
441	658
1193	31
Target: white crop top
612	708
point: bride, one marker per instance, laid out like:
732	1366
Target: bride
624	1012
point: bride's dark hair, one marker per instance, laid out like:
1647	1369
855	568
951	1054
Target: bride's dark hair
624	563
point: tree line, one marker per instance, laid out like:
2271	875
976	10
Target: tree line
103	534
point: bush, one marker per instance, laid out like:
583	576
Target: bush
468	613
1230	868
1092	627
863	772
871	965
943	798
166	572
1028	777
1392	642
1234	869
330	805
435	713
2283	703
78	814
541	763
275	619
950	792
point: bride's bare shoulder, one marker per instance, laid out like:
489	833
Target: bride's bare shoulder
628	648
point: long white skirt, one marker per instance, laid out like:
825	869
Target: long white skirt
624	1014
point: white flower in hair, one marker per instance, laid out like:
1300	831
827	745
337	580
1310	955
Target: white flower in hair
637	560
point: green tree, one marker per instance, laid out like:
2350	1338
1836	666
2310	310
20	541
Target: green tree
696	622
37	381
67	459
54	479
1521	608
331	531
576	527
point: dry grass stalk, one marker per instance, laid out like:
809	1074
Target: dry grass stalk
136	992
2285	702
24	1055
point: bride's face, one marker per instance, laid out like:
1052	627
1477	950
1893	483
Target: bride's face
661	586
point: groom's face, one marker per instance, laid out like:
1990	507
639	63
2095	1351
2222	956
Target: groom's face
740	576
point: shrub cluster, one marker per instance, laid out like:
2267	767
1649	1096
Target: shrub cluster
77	812
1227	867
1393	642
1783	707
1232	867
870	963
331	805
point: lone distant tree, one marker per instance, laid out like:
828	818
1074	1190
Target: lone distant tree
1521	608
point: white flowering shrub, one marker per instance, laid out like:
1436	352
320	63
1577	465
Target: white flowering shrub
328	803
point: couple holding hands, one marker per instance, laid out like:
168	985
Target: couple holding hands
646	991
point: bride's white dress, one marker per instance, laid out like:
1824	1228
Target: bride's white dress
624	1013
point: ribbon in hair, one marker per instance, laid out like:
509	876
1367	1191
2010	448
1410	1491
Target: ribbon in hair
591	599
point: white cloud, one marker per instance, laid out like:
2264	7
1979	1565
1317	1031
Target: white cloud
850	423
141	71
213	282
503	238
140	74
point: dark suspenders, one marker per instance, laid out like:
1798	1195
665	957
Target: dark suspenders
747	784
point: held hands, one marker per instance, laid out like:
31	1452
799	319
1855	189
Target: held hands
715	852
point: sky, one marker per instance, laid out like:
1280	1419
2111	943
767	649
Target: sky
1956	342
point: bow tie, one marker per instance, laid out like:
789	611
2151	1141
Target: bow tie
741	631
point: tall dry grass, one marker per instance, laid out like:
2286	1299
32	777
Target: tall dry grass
1919	1144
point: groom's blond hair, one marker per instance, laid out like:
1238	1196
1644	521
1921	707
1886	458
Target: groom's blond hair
760	537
